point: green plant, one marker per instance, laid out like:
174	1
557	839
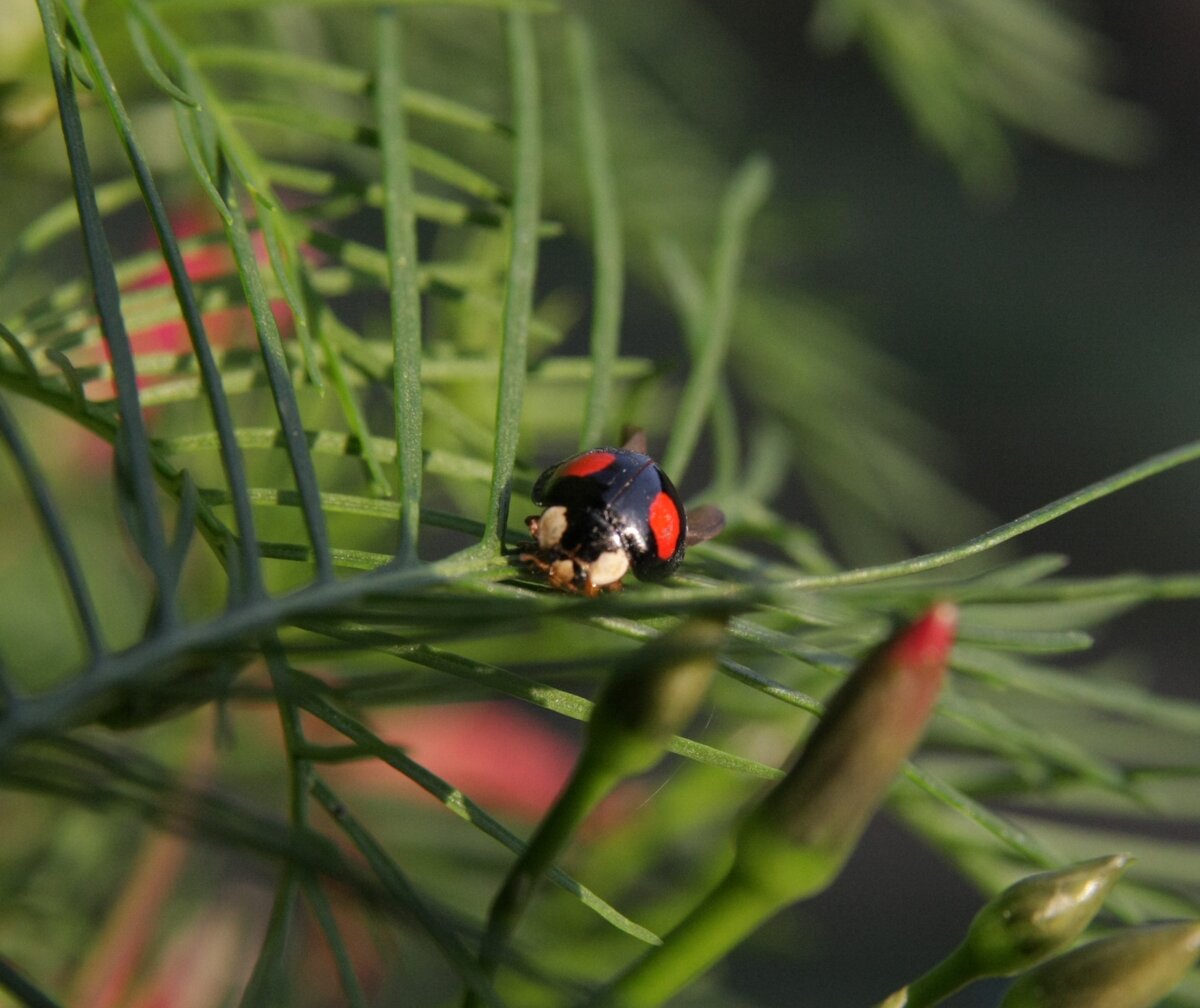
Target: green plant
323	385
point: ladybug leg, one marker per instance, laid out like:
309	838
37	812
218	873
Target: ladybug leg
561	574
538	564
535	561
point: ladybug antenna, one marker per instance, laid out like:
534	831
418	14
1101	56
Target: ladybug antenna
634	439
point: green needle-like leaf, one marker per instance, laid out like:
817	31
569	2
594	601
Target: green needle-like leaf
522	268
747	192
149	530
400	226
52	524
609	278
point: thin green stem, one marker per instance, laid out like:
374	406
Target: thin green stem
300	774
133	440
745	196
291	66
145	53
397	886
1152	466
522	267
287	407
1009	834
268	980
153	659
1134	587
330	331
56	532
341	955
278	227
369	744
22	988
299	768
723	919
85	771
609	278
19	350
951	974
399	222
590	782
210	374
548	697
691	305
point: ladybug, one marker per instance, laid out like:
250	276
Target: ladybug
607	511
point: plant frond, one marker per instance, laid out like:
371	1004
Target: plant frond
311	361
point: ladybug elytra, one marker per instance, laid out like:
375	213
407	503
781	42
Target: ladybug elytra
605	512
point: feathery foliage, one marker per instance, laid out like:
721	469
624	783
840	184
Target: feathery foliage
268	431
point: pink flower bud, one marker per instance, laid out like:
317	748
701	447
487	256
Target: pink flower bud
796	839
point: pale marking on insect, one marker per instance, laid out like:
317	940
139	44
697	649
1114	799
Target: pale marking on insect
608	567
551	526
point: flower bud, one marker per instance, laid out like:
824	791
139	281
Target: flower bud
653	694
1039	916
793	843
1135	968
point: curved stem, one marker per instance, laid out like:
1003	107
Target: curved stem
726	916
1152	466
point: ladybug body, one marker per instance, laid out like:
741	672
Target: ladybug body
605	512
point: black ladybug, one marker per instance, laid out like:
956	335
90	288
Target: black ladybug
607	511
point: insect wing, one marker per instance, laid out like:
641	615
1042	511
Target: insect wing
703	523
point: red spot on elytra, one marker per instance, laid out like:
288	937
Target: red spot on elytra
665	524
587	464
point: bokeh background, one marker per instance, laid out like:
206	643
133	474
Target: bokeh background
1054	324
1053	327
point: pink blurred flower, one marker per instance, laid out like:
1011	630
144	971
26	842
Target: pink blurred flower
225	327
212	261
501	756
209	262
